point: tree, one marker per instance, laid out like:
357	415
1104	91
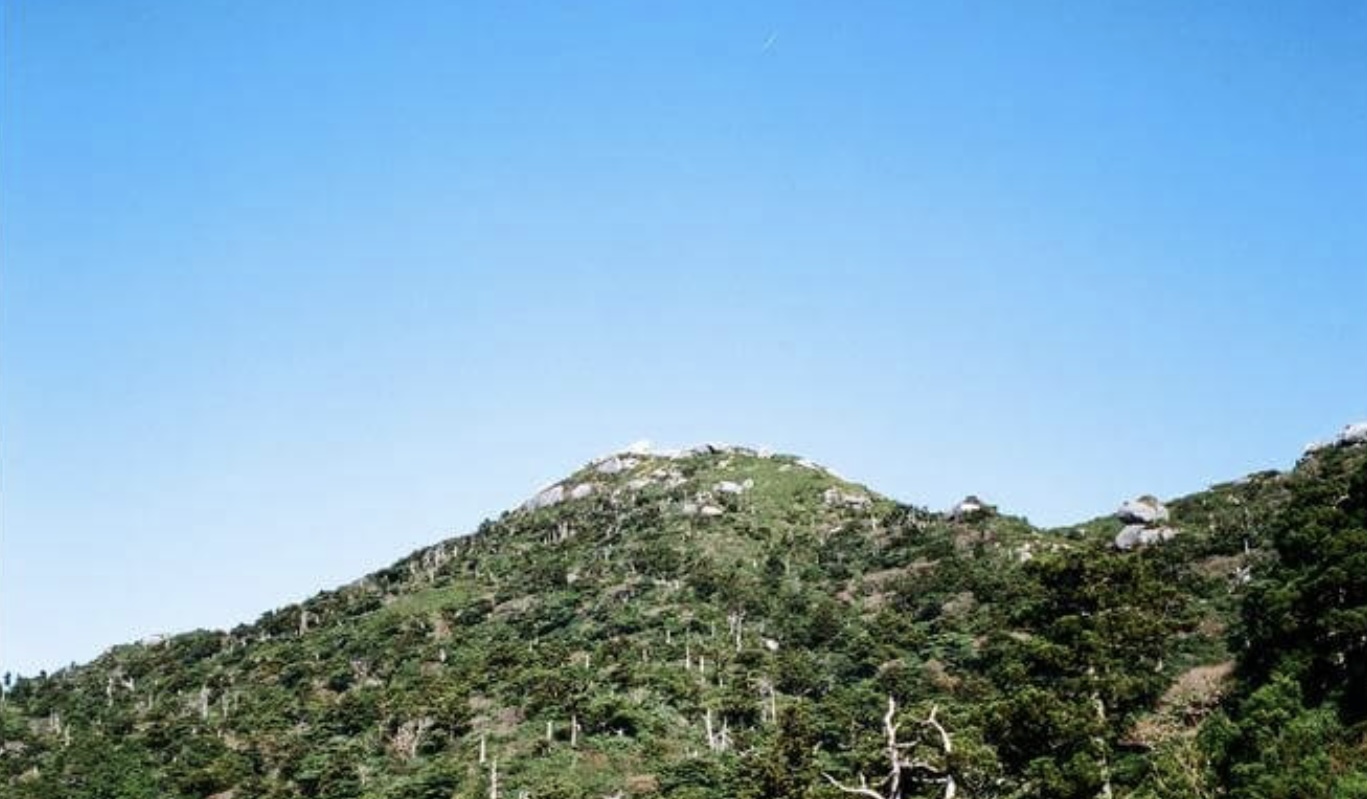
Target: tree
784	767
1302	646
1307	617
1085	657
903	771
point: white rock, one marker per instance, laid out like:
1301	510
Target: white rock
770	644
551	496
966	507
616	464
581	491
639	483
711	510
1350	436
689	509
1144	510
1128	538
1137	535
729	487
1355	433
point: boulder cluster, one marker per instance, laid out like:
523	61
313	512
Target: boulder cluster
605	475
1352	435
970	508
1145	523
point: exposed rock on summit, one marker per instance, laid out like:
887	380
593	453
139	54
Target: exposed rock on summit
970	507
1144	510
545	499
1143	518
1138	535
615	464
1351	435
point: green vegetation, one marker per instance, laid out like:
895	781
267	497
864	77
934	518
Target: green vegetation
730	624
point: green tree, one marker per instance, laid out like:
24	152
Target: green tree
783	768
1307	617
1083	659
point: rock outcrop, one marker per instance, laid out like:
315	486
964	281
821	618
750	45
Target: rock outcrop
970	507
1144	510
615	464
1139	535
545	499
1351	435
1144	519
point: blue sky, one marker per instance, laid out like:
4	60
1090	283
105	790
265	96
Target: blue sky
288	290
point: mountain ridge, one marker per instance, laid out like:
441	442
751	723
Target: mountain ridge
671	624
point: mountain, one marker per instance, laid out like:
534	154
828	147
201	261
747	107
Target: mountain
722	622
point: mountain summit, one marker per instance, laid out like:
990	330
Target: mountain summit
726	622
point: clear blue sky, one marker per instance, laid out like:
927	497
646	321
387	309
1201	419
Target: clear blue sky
289	289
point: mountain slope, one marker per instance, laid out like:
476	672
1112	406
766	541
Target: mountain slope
718	622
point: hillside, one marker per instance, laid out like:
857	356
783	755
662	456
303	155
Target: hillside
722	622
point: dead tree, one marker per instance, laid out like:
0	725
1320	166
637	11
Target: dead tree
768	701
900	769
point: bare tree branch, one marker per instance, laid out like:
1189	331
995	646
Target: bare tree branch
862	790
919	770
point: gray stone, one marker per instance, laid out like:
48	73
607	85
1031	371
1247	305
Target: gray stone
581	491
1355	433
1138	535
1144	510
616	464
729	487
1350	436
967	507
551	496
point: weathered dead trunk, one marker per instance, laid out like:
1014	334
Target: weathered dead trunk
898	767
